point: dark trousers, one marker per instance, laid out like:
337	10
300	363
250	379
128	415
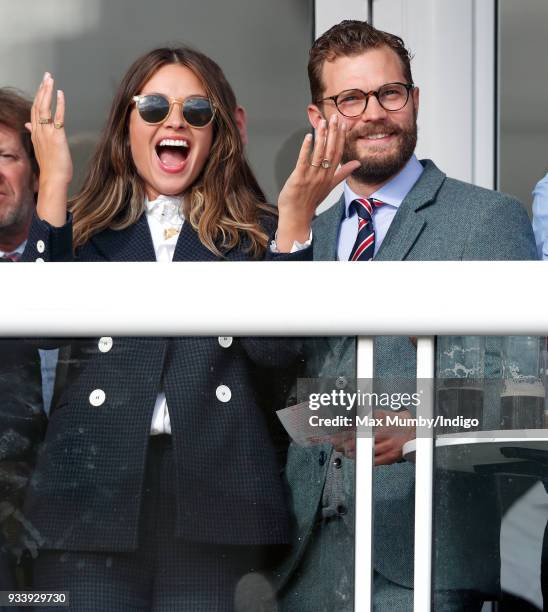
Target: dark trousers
164	574
7	578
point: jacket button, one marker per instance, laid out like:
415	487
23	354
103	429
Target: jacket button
340	383
39	260
40	246
322	457
105	344
97	397
341	510
223	393
337	462
225	341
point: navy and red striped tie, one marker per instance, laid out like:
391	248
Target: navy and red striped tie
9	258
364	247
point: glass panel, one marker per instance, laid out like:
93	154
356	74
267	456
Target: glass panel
160	462
491	507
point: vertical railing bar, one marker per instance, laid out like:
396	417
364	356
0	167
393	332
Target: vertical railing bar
424	478
363	551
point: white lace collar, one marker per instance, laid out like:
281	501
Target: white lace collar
168	210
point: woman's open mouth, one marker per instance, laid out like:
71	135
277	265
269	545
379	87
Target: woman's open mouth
172	154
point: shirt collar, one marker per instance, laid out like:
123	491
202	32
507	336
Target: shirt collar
18	251
166	209
394	192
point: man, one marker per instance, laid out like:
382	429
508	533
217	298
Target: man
18	174
393	208
21	413
540	216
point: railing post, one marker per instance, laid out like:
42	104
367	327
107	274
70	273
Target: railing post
363	551
424	478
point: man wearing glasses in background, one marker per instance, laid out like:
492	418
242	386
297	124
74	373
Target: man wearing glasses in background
394	207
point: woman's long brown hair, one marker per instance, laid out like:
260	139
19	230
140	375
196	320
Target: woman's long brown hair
225	203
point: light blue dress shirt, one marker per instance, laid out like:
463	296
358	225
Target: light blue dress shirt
540	216
392	194
18	251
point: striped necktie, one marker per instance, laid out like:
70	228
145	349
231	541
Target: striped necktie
9	258
364	247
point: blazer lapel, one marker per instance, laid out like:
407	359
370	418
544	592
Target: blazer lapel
402	234
189	247
135	244
131	244
325	232
408	222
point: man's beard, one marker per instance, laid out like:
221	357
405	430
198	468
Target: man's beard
376	169
10	218
14	216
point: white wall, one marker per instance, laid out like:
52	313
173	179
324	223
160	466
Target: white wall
328	13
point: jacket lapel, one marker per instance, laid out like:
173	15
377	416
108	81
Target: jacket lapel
189	247
325	232
409	222
131	244
135	244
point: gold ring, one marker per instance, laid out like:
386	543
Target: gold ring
44	120
315	165
58	125
326	164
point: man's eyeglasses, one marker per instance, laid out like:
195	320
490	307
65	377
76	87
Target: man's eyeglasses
197	111
353	102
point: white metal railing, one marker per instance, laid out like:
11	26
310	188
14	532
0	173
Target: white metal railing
424	482
363	568
363	547
327	298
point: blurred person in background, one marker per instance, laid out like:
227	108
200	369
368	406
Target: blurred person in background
18	174
540	228
540	216
22	419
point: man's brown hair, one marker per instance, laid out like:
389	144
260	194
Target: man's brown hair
351	37
14	113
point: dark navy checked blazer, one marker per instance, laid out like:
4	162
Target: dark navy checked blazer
87	489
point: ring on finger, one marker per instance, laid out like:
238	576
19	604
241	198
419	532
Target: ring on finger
58	125
326	164
315	165
45	120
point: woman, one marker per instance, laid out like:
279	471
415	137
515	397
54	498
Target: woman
158	485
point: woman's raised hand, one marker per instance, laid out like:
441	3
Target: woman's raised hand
52	153
315	175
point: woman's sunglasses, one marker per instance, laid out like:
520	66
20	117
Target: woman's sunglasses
197	111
